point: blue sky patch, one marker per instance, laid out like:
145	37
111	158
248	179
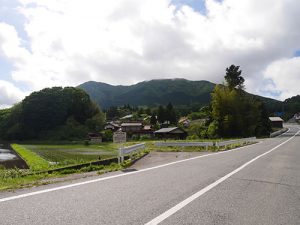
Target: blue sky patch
197	5
297	53
9	14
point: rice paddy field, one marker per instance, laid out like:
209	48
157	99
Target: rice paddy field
69	154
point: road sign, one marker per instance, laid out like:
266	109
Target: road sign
119	137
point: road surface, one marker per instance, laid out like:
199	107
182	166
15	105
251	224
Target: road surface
257	184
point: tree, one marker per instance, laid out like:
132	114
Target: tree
234	113
112	112
148	111
198	130
52	113
161	115
96	123
153	120
233	77
171	114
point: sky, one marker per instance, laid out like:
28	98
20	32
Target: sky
45	43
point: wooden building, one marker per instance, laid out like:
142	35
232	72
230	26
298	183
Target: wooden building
132	127
171	133
276	122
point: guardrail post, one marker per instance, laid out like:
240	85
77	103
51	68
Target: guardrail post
119	156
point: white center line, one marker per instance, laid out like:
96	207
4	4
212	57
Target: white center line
185	202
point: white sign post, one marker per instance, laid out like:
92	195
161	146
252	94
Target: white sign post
120	137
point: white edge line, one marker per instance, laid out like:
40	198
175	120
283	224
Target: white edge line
185	202
116	176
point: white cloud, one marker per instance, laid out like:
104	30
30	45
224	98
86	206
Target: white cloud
9	94
11	45
126	41
285	73
11	49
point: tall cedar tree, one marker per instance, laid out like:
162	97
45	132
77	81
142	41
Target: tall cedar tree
233	77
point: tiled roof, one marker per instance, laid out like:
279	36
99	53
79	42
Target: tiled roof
275	119
131	124
166	130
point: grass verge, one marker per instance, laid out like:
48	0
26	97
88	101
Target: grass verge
35	162
152	147
11	179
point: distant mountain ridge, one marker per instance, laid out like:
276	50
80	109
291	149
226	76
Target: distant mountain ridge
151	93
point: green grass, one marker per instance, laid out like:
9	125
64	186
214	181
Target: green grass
34	161
14	178
39	155
73	154
11	179
150	146
70	154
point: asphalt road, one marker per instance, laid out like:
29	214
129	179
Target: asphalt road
258	184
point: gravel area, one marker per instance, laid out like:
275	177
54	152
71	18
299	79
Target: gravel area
159	158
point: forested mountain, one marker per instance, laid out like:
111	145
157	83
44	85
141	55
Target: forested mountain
180	92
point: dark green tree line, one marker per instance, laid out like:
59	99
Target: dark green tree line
58	113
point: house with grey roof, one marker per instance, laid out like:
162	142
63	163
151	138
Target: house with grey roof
171	133
276	122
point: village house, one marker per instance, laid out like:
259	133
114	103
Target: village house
276	122
112	126
184	121
131	127
94	138
171	133
136	128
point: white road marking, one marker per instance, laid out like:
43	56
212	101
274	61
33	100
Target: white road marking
115	176
185	202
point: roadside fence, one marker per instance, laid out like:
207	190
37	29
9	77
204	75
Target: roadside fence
129	150
233	142
218	144
184	144
277	133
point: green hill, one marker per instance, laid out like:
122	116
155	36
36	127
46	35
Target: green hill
291	106
180	92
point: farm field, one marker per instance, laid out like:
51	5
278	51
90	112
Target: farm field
71	154
68	154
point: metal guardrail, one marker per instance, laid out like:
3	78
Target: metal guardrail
231	142
128	150
277	133
218	144
184	144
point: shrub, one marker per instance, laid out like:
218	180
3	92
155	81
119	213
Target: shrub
107	135
145	137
